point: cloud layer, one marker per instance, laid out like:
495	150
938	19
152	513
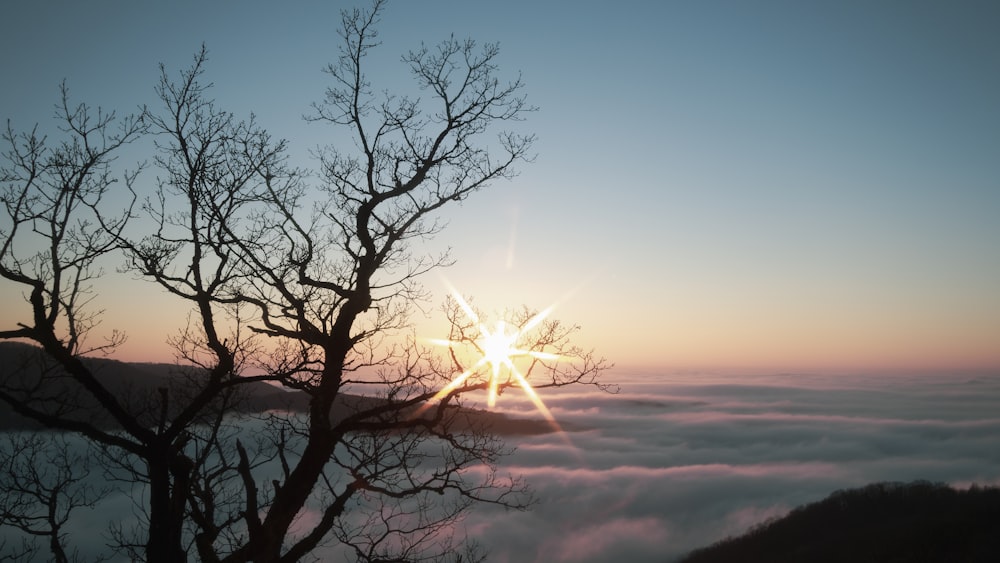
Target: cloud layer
674	463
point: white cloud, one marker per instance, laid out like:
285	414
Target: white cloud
676	463
685	462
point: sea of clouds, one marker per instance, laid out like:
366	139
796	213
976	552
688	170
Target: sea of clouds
672	463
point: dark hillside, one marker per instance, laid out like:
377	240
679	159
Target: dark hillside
25	366
918	522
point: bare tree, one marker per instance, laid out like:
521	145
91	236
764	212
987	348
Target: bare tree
43	479
309	279
55	234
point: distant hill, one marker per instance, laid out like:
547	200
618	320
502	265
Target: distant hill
880	523
134	384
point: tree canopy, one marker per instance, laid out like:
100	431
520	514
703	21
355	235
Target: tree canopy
304	279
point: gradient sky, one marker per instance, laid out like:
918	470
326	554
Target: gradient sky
719	185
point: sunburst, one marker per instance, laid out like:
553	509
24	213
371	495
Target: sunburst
497	348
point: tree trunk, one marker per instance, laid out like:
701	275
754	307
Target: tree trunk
297	488
165	541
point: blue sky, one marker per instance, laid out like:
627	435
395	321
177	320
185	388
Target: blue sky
719	185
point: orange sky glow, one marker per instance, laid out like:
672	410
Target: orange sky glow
765	197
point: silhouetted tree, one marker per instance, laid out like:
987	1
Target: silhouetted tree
44	480
304	278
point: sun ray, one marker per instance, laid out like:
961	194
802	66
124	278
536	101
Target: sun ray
537	319
447	389
543	355
470	313
533	395
454	384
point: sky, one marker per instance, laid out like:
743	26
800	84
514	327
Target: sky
719	186
798	193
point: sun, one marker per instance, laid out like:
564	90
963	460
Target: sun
497	348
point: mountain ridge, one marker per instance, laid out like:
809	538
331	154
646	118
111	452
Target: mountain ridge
915	522
135	382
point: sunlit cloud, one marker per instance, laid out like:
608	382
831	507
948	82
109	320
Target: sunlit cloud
615	535
670	464
718	417
590	476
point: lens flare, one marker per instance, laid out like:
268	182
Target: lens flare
497	348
